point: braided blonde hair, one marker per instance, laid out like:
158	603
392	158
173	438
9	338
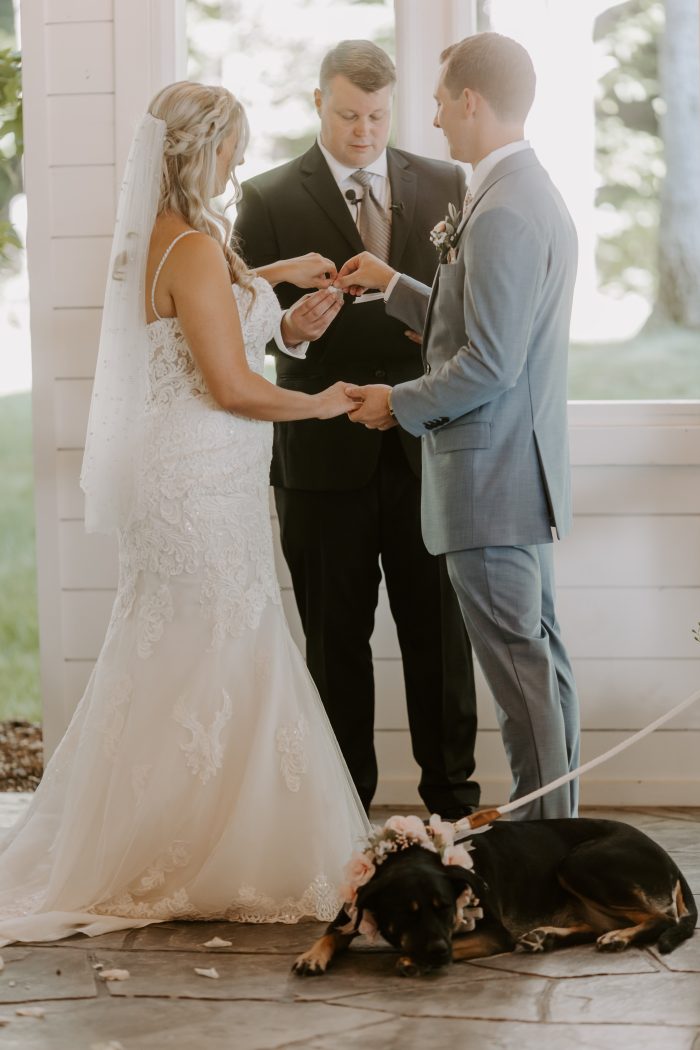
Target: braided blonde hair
199	118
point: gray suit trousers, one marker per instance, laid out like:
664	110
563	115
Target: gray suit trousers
507	600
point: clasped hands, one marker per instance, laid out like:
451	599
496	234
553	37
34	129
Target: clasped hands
312	315
372	402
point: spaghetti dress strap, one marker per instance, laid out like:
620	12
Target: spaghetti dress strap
160	267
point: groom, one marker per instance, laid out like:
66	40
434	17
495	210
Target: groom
491	406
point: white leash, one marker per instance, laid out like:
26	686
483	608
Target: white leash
487	816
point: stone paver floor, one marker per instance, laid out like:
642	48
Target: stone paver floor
577	998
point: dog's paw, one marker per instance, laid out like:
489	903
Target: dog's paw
613	941
538	940
309	965
406	967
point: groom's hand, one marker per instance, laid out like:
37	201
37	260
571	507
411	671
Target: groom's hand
363	271
372	406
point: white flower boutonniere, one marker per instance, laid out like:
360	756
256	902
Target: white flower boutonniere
444	235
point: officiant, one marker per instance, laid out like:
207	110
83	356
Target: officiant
348	498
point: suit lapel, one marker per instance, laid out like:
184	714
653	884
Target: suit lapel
319	182
403	196
515	162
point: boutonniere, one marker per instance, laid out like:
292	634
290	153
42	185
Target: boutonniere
444	235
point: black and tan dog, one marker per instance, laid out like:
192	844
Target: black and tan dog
541	884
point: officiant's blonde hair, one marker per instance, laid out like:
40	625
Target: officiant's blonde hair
199	117
363	63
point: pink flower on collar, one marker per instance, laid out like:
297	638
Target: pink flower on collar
358	871
457	855
408	828
441	830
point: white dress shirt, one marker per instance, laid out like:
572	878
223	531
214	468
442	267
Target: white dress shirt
489	162
343	176
298	351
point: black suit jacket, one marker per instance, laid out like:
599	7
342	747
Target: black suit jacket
298	208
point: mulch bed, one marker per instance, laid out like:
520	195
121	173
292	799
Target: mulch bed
21	756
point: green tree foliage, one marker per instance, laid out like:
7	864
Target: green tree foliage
239	21
629	148
11	146
11	143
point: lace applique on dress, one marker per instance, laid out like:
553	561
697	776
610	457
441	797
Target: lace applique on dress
177	906
24	905
319	899
139	780
114	715
263	669
124	602
173	372
177	856
233	609
153	612
293	761
203	751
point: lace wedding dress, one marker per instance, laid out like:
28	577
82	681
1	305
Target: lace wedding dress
199	777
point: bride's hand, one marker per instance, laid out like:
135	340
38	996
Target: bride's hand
310	271
333	401
310	316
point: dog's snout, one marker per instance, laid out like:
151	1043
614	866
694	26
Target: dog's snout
438	950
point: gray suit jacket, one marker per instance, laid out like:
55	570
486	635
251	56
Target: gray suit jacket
492	405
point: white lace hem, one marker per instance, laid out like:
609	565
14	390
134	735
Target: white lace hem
319	901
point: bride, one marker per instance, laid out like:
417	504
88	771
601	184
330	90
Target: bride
199	777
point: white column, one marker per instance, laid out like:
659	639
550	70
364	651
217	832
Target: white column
423	30
150	52
90	68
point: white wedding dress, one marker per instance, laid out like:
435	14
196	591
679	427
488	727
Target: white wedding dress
199	777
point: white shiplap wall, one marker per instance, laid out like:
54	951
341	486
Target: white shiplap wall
629	577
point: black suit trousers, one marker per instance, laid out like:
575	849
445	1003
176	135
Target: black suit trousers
334	543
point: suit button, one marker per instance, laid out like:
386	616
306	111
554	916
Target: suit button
427	370
380	374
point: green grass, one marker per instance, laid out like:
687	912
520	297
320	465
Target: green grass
19	637
658	364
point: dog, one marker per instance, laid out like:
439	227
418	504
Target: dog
535	885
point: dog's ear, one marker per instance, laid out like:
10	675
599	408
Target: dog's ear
462	877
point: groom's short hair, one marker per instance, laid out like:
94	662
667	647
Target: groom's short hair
363	63
497	68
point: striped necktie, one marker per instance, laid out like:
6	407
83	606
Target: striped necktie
374	223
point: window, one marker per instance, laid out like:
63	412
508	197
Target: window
269	54
615	122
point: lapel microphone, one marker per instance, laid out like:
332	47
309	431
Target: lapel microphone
351	196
